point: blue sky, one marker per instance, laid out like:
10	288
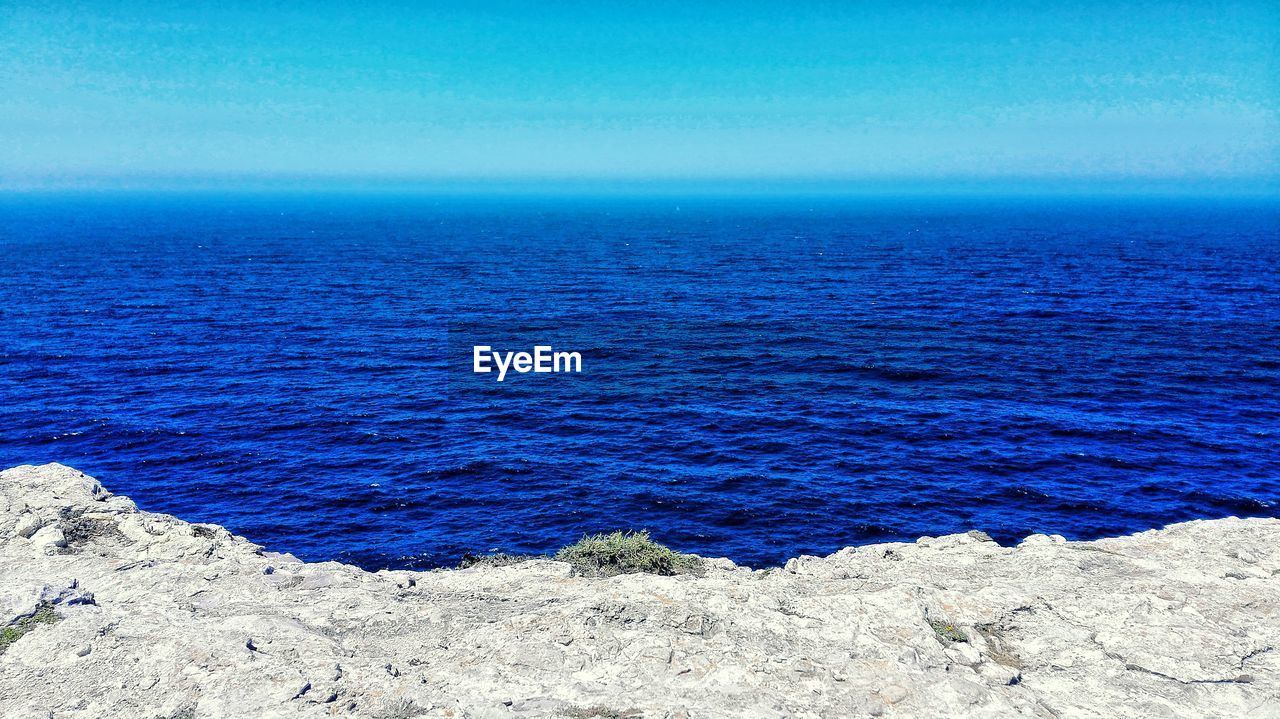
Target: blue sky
1066	91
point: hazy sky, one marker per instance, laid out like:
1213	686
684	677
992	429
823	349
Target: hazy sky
116	91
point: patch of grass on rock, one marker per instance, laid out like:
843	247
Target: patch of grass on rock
80	531
599	712
44	614
607	555
401	709
498	559
948	633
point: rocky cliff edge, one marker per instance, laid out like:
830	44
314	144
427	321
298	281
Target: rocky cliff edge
109	611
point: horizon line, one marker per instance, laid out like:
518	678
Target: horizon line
1010	185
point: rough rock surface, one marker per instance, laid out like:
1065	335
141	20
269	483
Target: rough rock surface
162	618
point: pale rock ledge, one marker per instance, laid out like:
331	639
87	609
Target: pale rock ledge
122	613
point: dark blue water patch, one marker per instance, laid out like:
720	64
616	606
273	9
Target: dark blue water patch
761	379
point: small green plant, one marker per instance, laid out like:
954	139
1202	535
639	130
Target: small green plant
80	531
44	614
625	553
497	559
599	712
400	709
948	633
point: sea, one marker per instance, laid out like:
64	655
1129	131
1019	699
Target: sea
762	376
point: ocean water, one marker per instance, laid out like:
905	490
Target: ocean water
762	378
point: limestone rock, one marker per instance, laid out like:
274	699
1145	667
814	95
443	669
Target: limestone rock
157	617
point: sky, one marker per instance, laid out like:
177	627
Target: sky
120	93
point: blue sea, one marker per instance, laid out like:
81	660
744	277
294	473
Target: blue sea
762	377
